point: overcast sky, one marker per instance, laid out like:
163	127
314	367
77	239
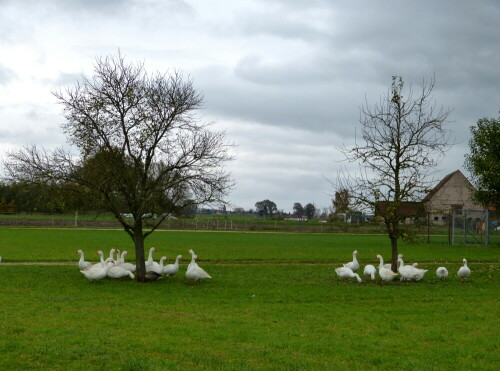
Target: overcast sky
285	78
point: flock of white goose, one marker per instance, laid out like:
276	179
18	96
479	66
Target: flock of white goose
406	272
117	267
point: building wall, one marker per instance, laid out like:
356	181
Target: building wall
454	194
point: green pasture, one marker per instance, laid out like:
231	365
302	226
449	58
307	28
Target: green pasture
269	306
276	317
18	245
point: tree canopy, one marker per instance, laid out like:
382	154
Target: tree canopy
298	209
403	139
139	147
266	208
341	201
483	162
310	211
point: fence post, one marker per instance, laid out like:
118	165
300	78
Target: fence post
450	216
487	227
428	227
453	227
465	226
76	218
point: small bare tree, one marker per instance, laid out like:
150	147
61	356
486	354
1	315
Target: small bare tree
403	140
141	149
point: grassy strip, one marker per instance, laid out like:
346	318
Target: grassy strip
277	317
17	245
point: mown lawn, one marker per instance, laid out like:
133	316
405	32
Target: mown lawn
17	245
259	316
274	304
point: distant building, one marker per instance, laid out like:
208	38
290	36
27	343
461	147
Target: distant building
405	209
453	192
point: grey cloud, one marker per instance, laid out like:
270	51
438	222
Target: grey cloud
454	41
254	69
291	64
322	107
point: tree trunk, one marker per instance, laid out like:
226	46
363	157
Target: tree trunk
394	248
140	263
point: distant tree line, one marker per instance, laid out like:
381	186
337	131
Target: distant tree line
308	211
30	198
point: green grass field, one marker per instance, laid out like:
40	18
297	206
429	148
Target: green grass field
274	304
18	245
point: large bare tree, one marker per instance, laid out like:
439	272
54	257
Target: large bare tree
403	139
140	147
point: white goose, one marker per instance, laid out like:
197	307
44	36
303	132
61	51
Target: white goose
96	274
442	273
124	265
370	271
464	272
82	264
157	268
354	265
385	273
171	269
101	264
150	262
389	265
193	258
409	272
119	272
344	272
194	271
112	255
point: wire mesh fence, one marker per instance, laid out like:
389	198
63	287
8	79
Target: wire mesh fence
470	227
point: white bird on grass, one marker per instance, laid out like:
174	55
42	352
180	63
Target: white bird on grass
442	273
158	268
112	255
370	271
150	262
385	273
171	269
409	272
353	265
193	258
119	272
96	274
389	265
344	272
124	265
194	271
101	264
464	272
82	264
